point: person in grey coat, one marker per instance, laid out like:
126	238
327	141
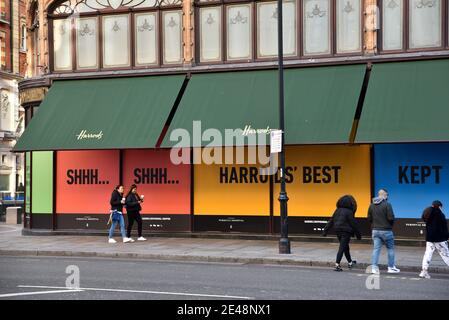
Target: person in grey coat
381	218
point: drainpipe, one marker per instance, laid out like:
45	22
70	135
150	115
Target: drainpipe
11	33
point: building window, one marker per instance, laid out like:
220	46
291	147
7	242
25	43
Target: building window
2	10
146	33
23	37
317	27
117	34
2	51
116	41
34	37
425	23
249	29
349	26
267	22
87	43
4	182
62	44
239	32
172	34
210	34
413	24
393	17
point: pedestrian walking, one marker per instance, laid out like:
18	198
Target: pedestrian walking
381	218
116	217
133	208
345	226
436	236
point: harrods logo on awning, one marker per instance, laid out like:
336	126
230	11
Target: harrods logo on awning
248	130
87	135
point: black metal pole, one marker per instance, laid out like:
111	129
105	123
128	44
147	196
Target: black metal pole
284	242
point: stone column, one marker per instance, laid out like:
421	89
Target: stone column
371	21
188	32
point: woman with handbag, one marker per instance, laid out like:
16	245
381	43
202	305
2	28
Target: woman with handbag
117	201
133	208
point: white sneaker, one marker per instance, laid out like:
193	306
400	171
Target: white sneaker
112	240
375	270
424	274
141	239
393	270
127	240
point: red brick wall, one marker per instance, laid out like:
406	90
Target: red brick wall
22	64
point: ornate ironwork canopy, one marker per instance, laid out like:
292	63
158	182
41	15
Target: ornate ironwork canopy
80	6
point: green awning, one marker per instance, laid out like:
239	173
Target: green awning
406	102
320	105
228	100
120	113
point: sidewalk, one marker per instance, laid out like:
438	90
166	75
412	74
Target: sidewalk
208	250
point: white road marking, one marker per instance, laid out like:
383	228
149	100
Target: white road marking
8	295
147	292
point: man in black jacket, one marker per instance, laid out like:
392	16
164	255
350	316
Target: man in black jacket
381	217
436	236
345	226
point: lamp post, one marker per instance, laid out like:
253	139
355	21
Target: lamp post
284	242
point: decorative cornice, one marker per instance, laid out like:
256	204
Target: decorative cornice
31	95
10	76
34	83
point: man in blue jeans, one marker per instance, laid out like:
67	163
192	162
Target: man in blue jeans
381	217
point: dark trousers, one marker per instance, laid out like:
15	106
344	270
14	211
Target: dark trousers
344	238
134	216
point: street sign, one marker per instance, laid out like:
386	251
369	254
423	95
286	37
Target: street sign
275	141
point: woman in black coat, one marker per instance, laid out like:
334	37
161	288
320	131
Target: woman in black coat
133	208
436	236
117	202
345	225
